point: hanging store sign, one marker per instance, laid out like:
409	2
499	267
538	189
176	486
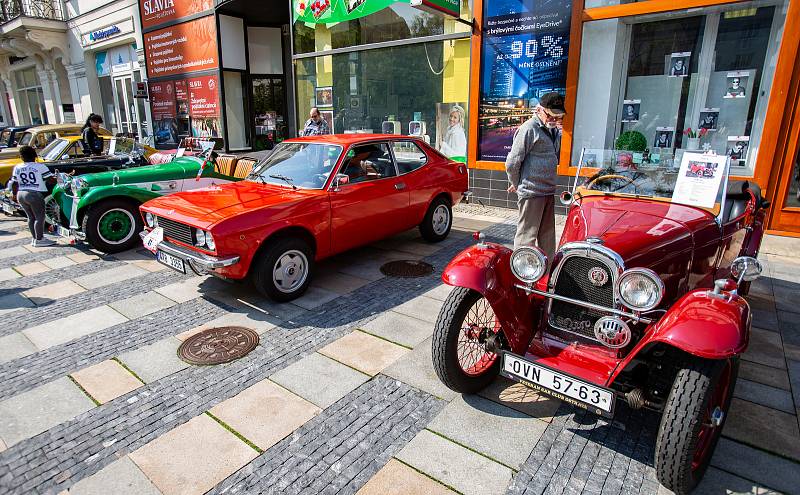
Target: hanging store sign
158	12
449	7
523	56
187	47
330	11
139	89
108	32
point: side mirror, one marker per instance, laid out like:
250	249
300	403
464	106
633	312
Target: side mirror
746	268
340	180
566	198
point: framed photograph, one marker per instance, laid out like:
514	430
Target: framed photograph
327	115
737	84
324	96
678	65
664	137
737	150
708	119
630	110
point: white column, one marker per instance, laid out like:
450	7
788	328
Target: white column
5	111
52	96
79	89
13	101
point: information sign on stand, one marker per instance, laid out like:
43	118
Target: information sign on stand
699	178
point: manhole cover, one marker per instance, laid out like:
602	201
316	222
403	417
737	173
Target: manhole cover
406	269
218	345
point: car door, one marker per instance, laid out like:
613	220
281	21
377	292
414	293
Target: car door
422	181
372	204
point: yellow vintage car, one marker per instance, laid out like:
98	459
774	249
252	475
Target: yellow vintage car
42	135
62	149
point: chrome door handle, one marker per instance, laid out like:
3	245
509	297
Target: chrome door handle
400	186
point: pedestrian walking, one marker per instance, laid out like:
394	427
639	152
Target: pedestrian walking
29	188
89	133
315	125
531	168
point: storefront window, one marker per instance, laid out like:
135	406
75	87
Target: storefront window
658	85
270	111
399	21
31	97
419	89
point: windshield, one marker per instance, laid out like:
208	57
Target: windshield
306	165
54	150
26	139
5	137
124	146
694	178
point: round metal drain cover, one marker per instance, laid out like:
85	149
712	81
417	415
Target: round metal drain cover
218	345
406	269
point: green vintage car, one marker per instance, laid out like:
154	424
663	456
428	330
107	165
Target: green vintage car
103	208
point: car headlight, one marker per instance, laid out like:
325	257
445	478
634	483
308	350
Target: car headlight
640	289
199	238
528	264
150	219
212	246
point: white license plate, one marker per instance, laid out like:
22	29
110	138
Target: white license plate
63	232
564	387
171	261
7	209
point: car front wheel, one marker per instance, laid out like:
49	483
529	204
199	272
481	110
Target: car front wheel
282	271
437	222
460	358
112	226
692	421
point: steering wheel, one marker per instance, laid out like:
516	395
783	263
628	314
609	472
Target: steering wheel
629	181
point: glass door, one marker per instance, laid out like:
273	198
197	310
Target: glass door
785	189
127	114
269	109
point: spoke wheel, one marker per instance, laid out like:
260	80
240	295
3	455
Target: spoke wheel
52	212
290	271
460	358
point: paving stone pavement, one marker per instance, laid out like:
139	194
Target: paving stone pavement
566	450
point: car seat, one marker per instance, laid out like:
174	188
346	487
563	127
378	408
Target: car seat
226	164
244	167
738	196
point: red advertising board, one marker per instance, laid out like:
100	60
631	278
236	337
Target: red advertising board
162	97
203	96
187	47
156	12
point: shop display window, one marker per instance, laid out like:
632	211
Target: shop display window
656	85
418	89
397	22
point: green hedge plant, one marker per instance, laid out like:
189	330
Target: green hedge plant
631	141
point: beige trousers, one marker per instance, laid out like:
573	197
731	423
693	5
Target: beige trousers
537	224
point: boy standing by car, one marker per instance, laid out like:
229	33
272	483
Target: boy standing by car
531	167
29	189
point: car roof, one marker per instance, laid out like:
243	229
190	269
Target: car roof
17	128
348	139
56	128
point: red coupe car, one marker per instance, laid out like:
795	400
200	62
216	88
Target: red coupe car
641	304
311	198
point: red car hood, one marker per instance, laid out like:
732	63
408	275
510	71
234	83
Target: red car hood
642	232
207	206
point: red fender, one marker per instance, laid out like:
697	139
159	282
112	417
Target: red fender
702	324
485	269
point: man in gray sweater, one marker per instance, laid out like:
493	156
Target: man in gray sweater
531	168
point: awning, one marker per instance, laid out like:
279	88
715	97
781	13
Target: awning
332	11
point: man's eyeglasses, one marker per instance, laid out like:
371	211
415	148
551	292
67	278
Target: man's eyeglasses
548	117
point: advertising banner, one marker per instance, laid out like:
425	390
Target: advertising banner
524	55
162	96
187	47
204	106
157	12
328	11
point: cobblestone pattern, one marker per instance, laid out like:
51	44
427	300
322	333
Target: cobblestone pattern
581	452
57	275
63	455
342	448
40	255
479	209
42	367
20	320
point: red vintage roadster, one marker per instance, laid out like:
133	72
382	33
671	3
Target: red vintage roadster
311	198
642	303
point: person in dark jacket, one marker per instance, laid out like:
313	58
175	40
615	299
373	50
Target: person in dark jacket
92	141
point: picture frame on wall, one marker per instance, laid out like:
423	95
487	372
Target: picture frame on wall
708	119
665	136
737	150
323	96
630	110
678	64
737	84
327	116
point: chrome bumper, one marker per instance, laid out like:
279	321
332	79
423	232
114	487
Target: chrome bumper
199	260
635	317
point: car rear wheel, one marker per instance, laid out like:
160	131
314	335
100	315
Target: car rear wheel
437	222
112	226
692	421
283	270
465	323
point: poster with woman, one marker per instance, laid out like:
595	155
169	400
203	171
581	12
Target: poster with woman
451	133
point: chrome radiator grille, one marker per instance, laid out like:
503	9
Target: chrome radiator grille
574	282
176	230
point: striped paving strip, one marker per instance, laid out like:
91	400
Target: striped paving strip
342	448
121	426
24	253
137	282
50	275
28	372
